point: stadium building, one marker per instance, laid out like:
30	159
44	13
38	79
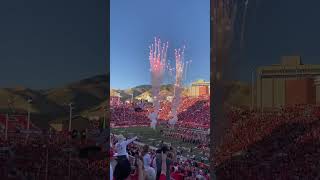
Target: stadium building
288	83
199	88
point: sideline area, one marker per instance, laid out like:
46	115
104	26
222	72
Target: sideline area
153	138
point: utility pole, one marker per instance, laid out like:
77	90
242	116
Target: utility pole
7	118
29	112
132	98
252	90
70	117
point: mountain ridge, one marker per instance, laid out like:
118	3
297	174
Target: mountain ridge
88	96
53	103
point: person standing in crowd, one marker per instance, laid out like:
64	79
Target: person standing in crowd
163	174
123	168
121	145
149	171
111	172
146	156
145	173
171	157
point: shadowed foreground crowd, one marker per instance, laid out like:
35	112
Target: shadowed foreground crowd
143	163
52	156
278	144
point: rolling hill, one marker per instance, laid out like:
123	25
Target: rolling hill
17	100
144	91
52	104
84	94
89	96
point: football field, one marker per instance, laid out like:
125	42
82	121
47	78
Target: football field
153	137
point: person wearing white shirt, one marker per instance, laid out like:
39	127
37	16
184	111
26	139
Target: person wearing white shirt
146	156
121	145
123	168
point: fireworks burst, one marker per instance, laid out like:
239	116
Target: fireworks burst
178	86
157	58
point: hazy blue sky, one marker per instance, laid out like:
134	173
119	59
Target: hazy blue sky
133	26
50	43
275	28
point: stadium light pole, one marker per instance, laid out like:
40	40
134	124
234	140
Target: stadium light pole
132	98
261	91
7	118
10	104
70	117
252	89
29	112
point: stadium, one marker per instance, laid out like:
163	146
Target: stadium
161	130
33	153
159	90
278	135
269	128
188	138
44	140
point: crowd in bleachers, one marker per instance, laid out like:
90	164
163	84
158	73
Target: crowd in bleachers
57	155
193	112
38	156
193	123
125	115
147	162
15	123
281	143
277	143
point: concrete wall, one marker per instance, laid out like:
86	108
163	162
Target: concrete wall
270	92
194	91
203	90
258	92
300	91
279	92
267	92
317	89
198	90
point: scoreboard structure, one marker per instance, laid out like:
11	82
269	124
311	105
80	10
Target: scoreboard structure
288	83
199	88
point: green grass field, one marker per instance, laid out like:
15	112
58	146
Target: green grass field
153	138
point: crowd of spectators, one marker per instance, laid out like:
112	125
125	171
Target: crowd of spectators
278	143
193	117
52	155
15	122
36	160
193	112
146	163
281	143
124	115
